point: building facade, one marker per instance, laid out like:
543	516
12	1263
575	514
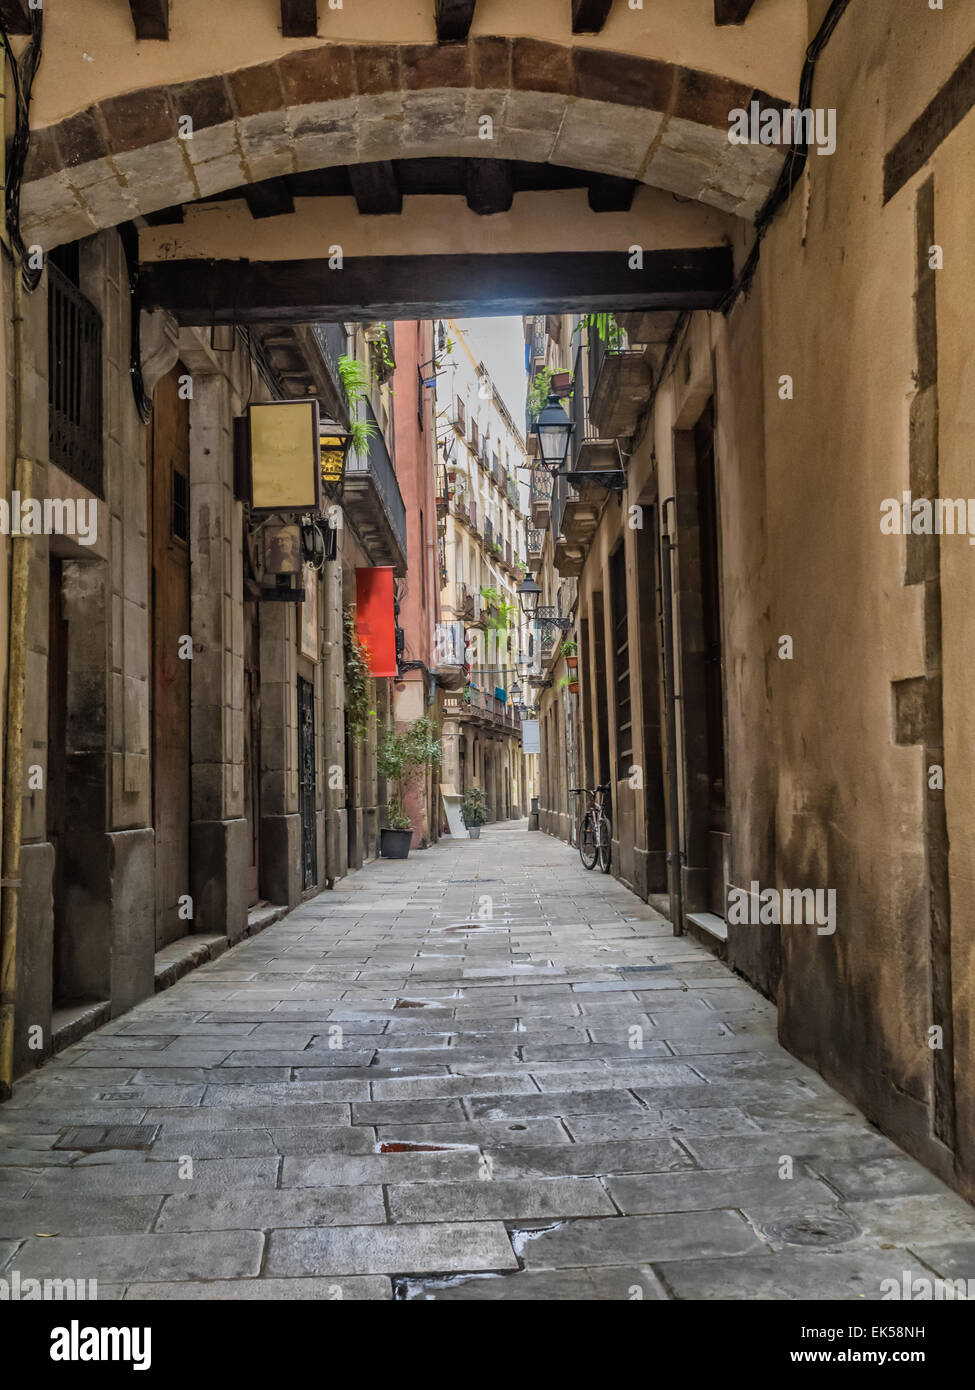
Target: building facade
481	461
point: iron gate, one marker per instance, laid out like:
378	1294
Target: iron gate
306	783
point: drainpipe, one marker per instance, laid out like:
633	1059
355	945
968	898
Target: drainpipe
14	749
675	851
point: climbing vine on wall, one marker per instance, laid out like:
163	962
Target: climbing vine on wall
357	678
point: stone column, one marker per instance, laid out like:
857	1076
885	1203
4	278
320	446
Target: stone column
218	830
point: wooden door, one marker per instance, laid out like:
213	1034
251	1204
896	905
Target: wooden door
169	474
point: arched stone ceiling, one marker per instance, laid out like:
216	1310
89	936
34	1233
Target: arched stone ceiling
614	113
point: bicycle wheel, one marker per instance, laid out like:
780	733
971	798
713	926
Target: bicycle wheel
588	848
604	846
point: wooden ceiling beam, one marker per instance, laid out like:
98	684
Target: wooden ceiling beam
15	16
732	11
489	186
269	198
202	291
589	16
150	19
610	194
454	19
375	188
299	19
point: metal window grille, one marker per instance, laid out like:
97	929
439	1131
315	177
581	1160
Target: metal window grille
74	381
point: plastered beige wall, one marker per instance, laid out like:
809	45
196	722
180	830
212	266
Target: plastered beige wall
82	64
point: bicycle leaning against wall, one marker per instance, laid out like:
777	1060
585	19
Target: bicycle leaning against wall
595	830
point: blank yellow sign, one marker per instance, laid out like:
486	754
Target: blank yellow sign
285	456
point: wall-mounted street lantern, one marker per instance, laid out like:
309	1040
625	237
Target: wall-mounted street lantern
528	595
554	430
333	444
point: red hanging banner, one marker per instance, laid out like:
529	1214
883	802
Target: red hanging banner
375	619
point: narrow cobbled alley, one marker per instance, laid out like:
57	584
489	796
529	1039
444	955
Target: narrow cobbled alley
481	1073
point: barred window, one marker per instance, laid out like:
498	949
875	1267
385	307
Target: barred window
74	379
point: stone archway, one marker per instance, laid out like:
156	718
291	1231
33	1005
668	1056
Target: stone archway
612	113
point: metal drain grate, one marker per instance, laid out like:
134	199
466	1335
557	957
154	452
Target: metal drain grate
812	1230
642	969
96	1138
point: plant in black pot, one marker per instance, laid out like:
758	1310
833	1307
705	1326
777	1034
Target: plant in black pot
473	811
401	755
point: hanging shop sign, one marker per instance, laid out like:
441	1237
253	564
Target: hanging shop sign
283	452
282	548
531	741
376	618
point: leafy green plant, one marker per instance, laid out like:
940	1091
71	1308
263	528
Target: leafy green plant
473	809
538	391
357	677
569	647
355	380
605	326
381	354
401	754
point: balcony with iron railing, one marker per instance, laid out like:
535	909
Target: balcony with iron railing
540	494
373	501
483	708
620	379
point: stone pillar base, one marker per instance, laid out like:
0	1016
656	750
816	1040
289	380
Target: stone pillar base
218	876
281	859
35	956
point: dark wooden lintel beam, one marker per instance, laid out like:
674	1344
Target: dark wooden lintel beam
150	18
375	187
414	287
589	16
732	11
299	19
269	198
489	185
15	16
454	19
610	194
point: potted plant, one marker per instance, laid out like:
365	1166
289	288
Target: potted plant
473	811
570	650
566	684
401	755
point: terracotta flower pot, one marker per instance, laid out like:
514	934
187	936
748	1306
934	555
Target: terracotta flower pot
572	662
573	687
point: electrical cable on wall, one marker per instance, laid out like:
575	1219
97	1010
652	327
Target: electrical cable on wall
23	73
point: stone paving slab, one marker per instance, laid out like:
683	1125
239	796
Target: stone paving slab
267	1211
533	1151
352	1289
641	1239
473	1245
629	1283
498	1198
111	1259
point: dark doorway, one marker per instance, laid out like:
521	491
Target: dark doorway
707	513
307	784
57	760
602	697
252	746
169	475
